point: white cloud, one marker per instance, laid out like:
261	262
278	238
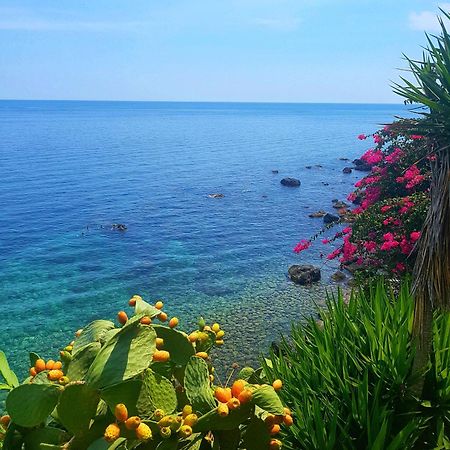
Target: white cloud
283	24
427	20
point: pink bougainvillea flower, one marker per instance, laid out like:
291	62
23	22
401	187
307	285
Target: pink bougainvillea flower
385	208
395	156
334	254
370	246
325	241
302	245
415	236
377	139
372	156
416	137
361	137
400	267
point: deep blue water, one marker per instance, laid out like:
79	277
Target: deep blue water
68	170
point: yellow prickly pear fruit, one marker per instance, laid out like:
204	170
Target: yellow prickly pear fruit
121	412
223	410
219	342
277	385
165	422
63	381
143	432
202	337
159	343
215	327
173	322
112	432
207	328
146	320
176	423
165	432
185	431
193	337
159	304
187	409
202	355
57	365
288	420
133	422
275	429
162	316
55	375
32	372
49	365
161	356
190	420
220	334
211	378
158	414
5	420
222	394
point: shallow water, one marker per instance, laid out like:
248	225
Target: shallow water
71	169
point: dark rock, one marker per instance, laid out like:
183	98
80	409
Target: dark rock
347	170
325	184
308	167
304	274
119	227
319	166
330	218
340	205
264	196
274	171
217	195
362	165
357	200
320	213
291	182
338	276
334	200
344	159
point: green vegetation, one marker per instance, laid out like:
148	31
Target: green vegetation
347	379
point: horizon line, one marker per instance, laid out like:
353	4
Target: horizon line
200	101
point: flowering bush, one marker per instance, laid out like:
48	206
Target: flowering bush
390	204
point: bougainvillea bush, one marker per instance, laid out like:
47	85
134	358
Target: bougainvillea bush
390	204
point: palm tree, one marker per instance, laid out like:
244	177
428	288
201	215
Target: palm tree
431	286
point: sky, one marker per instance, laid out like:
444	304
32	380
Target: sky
210	50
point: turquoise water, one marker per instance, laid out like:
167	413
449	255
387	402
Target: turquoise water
69	170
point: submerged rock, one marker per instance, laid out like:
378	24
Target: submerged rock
330	218
339	204
316	214
304	274
118	227
216	195
290	182
338	276
275	171
347	170
362	165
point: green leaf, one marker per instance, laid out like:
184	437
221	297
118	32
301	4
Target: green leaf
125	355
47	437
101	444
256	434
33	358
9	376
197	385
176	343
144	308
82	361
212	420
267	399
77	406
94	332
30	404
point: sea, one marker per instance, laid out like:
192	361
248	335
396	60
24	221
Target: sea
71	171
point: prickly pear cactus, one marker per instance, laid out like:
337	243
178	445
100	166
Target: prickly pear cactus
139	385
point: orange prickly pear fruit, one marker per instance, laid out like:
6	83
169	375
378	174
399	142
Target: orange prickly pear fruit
277	385
223	394
161	356
275	444
270	420
288	420
39	365
55	375
185	431
190	420
63	381
158	414
159	343
223	410
121	412
233	403
146	320
187	409
33	372
245	396
57	365
132	422
143	432
220	334
112	432
162	316
173	322
275	429
165	422
159	304
237	387
5	420
202	355
165	432
215	327
278	419
176	423
219	342
287	411
122	317
193	337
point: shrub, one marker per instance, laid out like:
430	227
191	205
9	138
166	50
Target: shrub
138	386
346	379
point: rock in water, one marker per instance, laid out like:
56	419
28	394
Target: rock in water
304	274
347	170
291	182
330	218
217	195
362	165
274	171
316	214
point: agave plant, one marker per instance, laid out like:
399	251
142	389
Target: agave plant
432	268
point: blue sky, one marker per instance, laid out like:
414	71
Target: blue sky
209	50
